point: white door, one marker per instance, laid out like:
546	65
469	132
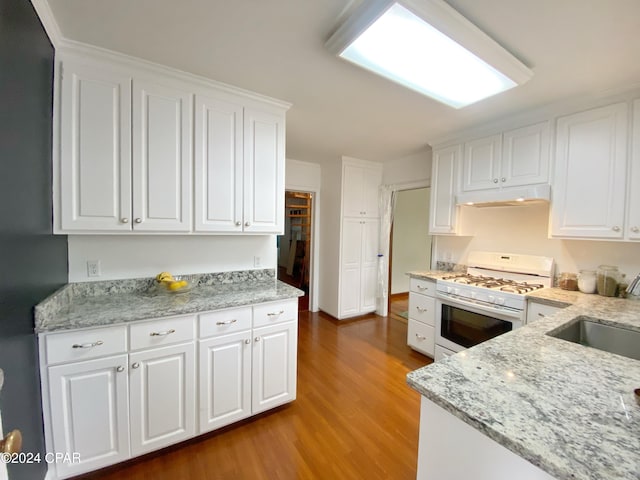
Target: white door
590	174
95	149
444	187
263	172
162	383
90	413
369	266
225	380
162	137
274	365
481	167
633	219
525	156
218	160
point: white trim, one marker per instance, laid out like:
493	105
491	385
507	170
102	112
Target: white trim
412	185
48	22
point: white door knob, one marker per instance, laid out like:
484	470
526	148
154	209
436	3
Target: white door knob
124	220
138	220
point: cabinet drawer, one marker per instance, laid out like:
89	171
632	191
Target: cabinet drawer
225	321
425	287
85	344
421	337
165	331
422	308
275	312
536	311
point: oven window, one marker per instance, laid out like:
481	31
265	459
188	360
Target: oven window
468	328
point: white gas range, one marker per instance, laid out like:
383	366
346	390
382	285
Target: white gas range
487	300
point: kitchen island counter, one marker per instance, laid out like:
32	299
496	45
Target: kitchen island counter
565	408
93	304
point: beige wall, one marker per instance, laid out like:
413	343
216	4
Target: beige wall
411	239
524	230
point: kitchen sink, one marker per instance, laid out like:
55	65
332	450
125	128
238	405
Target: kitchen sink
587	331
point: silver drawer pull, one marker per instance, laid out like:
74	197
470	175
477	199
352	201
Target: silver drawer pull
162	334
420	287
87	345
420	337
227	322
541	314
275	314
421	310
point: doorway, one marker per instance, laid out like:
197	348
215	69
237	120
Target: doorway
410	244
294	246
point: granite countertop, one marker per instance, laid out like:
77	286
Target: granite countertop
93	304
566	408
429	274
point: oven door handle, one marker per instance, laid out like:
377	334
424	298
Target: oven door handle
457	301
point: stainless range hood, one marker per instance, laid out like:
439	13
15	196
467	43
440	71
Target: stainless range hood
516	196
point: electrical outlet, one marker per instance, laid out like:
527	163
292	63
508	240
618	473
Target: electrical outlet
257	262
93	268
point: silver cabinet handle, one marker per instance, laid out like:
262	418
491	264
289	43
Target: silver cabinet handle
124	220
495	180
120	369
420	287
257	339
138	220
421	310
162	334
635	229
275	314
135	365
88	345
227	322
238	224
420	337
541	314
247	341
503	179
615	228
246	224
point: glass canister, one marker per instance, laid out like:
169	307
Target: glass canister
568	281
607	280
587	281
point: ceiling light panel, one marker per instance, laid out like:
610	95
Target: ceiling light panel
405	41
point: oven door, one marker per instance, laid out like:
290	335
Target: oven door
461	324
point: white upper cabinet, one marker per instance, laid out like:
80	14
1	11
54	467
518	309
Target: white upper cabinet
95	149
218	157
126	160
263	171
162	157
510	159
633	212
360	186
590	174
444	186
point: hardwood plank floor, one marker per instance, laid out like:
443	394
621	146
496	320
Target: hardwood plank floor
354	418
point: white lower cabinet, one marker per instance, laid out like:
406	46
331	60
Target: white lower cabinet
113	393
421	335
89	403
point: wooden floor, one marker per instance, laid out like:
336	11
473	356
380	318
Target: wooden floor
354	418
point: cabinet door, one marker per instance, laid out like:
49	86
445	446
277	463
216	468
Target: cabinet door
369	266
360	191
633	219
90	413
590	174
225	380
218	160
350	266
263	172
95	149
162	136
525	156
481	167
371	180
162	382
274	365
444	182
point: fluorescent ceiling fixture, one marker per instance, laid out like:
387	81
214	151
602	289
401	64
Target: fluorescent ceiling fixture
411	49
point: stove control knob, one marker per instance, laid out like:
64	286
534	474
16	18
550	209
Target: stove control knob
500	301
456	291
449	289
473	294
492	299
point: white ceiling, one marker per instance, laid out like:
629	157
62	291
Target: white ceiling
276	48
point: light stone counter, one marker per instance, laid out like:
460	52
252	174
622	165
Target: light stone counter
92	304
566	408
